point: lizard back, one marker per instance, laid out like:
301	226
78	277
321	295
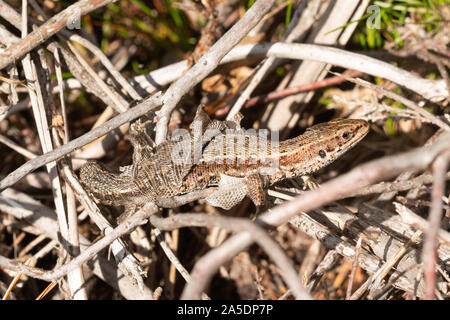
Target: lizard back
238	154
233	158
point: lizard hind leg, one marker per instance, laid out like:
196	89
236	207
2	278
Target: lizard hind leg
129	210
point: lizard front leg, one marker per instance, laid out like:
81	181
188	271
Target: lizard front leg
142	144
309	182
255	189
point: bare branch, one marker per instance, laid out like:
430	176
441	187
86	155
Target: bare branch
434	90
429	248
48	29
17	148
401	185
210	263
418	110
420	223
24	208
354	267
265	67
207	63
140	217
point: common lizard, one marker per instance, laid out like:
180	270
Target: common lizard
230	160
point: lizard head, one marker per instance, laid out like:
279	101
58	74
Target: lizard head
320	145
335	138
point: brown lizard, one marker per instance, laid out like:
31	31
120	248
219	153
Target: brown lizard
233	160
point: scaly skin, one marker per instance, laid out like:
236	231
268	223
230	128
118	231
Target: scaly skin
159	177
316	148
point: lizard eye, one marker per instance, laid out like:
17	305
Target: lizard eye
322	154
346	135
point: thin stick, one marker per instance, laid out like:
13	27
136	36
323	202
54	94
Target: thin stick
32	244
400	185
40	116
290	91
118	103
354	267
175	261
75	279
429	248
15	280
139	218
17	148
40	112
409	217
328	262
108	65
49	288
266	66
198	283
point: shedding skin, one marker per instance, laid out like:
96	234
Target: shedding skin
238	162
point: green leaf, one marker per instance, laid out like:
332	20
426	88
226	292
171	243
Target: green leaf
390	125
350	22
288	13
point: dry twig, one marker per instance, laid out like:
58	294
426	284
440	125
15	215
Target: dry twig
48	29
429	254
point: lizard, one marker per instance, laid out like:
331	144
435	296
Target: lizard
153	173
230	159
